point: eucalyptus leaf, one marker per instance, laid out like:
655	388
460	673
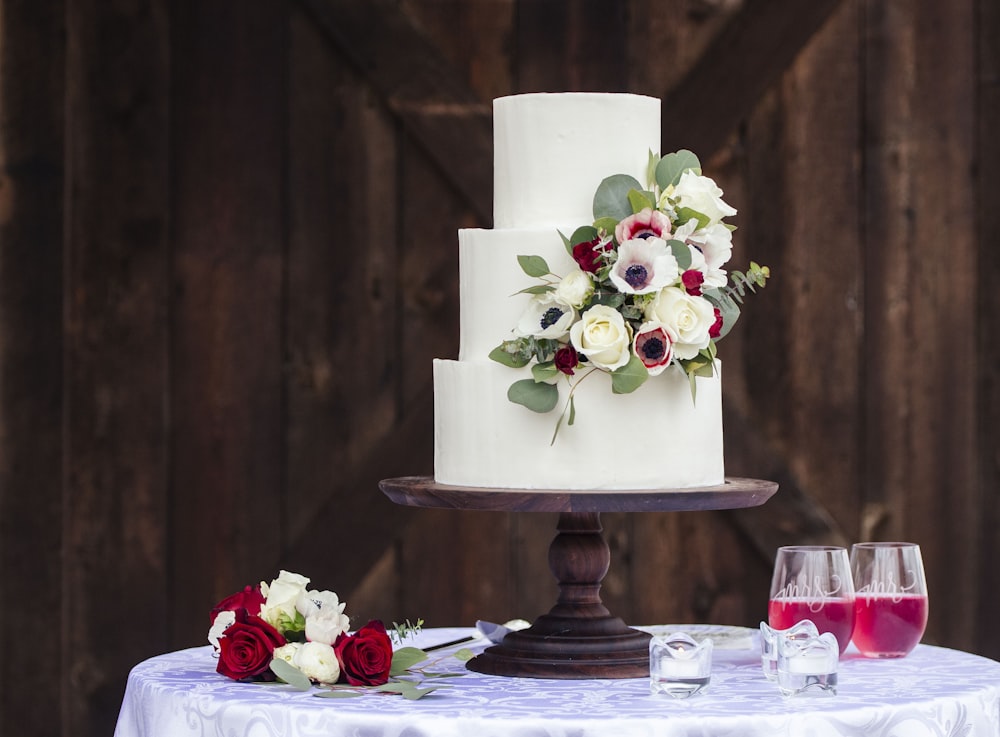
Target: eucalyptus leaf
640	200
533	265
608	225
290	674
337	694
728	308
572	410
537	289
681	252
544	371
513	360
536	397
583	234
405	658
419	693
671	166
464	655
686	213
629	377
654	159
611	198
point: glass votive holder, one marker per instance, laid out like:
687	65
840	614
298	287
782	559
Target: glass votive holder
808	665
801	630
679	666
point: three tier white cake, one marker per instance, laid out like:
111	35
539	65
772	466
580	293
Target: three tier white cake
551	153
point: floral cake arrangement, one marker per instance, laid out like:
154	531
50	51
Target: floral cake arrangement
649	292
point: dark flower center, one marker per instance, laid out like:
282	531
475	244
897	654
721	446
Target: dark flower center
636	275
550	317
653	349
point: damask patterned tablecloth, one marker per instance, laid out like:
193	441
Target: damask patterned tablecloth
933	692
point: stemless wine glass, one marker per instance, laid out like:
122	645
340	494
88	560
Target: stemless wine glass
813	582
890	607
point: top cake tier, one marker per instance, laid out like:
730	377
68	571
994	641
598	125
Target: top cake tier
551	152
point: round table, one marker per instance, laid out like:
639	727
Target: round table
932	692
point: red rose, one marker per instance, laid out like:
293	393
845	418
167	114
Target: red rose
713	332
365	657
692	280
249	598
588	254
566	359
246	648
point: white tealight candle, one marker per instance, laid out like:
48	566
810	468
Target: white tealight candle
810	664
674	668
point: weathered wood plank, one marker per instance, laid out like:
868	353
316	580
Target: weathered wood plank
227	352
117	285
32	221
744	60
988	266
920	284
418	85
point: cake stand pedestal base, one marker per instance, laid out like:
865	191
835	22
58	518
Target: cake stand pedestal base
579	637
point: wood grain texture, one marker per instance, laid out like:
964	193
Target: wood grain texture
32	222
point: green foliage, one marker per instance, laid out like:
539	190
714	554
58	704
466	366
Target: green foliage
606	225
611	199
533	265
509	354
671	166
533	395
288	673
399	632
405	658
686	213
544	371
641	200
629	377
681	252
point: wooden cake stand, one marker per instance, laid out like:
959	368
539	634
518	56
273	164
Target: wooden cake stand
579	637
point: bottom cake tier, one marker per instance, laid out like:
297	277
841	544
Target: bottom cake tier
657	437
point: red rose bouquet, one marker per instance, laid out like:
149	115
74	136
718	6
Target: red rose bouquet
284	631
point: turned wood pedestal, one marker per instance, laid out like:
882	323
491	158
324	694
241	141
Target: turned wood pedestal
578	637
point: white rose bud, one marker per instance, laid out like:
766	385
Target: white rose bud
280	598
686	316
575	288
287	652
703	195
318	662
603	337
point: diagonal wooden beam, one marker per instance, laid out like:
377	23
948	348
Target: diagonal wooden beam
745	59
420	86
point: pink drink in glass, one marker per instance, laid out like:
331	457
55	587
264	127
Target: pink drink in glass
889	626
834	615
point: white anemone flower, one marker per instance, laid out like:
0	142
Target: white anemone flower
546	316
644	265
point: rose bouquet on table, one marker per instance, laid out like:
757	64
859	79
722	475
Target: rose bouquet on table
284	631
648	292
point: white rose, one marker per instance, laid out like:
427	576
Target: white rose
287	652
703	195
318	662
280	598
546	316
686	316
602	336
324	613
219	625
575	288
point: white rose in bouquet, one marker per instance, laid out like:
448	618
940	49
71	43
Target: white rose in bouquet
689	318
318	661
287	652
575	288
703	195
280	598
603	336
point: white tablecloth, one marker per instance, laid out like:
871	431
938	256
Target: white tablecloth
933	692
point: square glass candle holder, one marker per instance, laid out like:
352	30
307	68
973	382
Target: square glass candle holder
808	665
769	643
679	666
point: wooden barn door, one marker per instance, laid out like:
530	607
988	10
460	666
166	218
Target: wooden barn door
228	257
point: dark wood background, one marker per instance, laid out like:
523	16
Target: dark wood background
228	255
